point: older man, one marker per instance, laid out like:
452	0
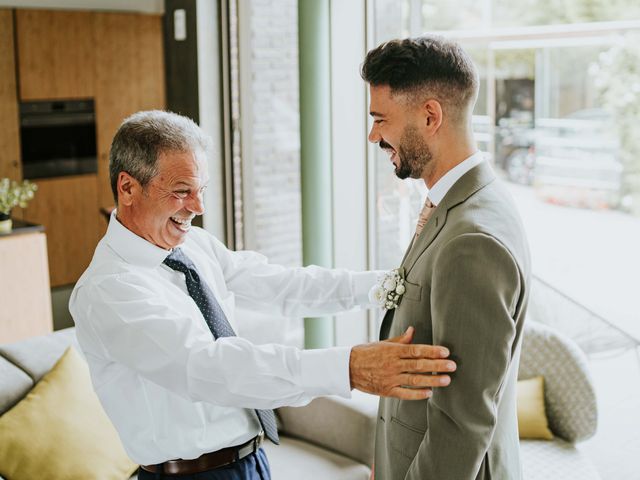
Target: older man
466	270
155	318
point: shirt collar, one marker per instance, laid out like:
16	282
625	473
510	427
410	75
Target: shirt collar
442	186
132	248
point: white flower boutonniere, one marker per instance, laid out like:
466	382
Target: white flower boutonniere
386	294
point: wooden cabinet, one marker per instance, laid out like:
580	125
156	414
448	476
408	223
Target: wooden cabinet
127	79
24	287
9	139
56	54
67	207
116	59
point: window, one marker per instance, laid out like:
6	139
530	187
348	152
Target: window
266	150
266	142
557	117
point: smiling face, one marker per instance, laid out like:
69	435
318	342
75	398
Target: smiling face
162	211
396	129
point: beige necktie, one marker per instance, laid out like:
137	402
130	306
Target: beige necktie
426	212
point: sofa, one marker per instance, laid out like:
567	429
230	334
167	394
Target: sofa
332	438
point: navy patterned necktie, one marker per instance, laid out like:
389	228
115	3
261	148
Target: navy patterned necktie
216	320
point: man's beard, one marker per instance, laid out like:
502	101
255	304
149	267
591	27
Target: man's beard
414	154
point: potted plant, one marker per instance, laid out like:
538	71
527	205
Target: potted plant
13	194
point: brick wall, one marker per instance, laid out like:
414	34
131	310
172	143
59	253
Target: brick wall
275	130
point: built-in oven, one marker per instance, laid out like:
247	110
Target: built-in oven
58	138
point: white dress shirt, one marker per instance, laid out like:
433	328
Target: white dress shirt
169	389
442	186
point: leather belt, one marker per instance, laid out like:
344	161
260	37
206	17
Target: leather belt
208	461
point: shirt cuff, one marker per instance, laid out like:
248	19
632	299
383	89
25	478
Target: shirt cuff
325	371
362	283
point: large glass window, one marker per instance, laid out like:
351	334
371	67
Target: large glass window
397	203
266	144
269	127
558	118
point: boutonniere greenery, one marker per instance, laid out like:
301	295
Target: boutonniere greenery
389	290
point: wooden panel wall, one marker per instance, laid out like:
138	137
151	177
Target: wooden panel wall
9	140
56	54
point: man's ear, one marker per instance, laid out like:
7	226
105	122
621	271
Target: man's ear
127	188
432	114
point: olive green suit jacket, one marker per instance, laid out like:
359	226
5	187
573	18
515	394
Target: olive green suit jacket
467	284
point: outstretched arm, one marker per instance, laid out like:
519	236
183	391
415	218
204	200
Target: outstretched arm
120	319
290	292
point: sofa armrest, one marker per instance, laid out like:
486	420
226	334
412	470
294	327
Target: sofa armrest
344	426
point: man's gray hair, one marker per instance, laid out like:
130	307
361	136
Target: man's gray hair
143	136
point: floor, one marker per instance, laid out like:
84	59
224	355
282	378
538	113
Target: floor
593	257
615	449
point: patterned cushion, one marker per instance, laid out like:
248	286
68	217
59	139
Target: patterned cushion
548	460
570	398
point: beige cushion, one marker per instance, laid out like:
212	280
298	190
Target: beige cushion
59	430
14	384
299	459
37	355
338	424
532	418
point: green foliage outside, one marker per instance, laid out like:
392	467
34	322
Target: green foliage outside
616	71
617	78
558	12
465	14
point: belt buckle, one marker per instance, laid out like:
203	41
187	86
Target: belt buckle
258	441
250	447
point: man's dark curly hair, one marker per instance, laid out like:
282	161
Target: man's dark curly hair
424	67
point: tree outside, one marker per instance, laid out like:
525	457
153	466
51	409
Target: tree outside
617	78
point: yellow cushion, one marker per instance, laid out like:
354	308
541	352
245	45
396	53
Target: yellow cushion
532	418
59	430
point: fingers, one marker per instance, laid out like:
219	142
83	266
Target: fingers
427	366
418	351
410	393
398	368
423	351
423	381
405	338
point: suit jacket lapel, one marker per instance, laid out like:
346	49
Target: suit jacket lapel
467	185
406	253
428	234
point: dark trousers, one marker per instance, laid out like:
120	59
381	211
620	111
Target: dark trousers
251	467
